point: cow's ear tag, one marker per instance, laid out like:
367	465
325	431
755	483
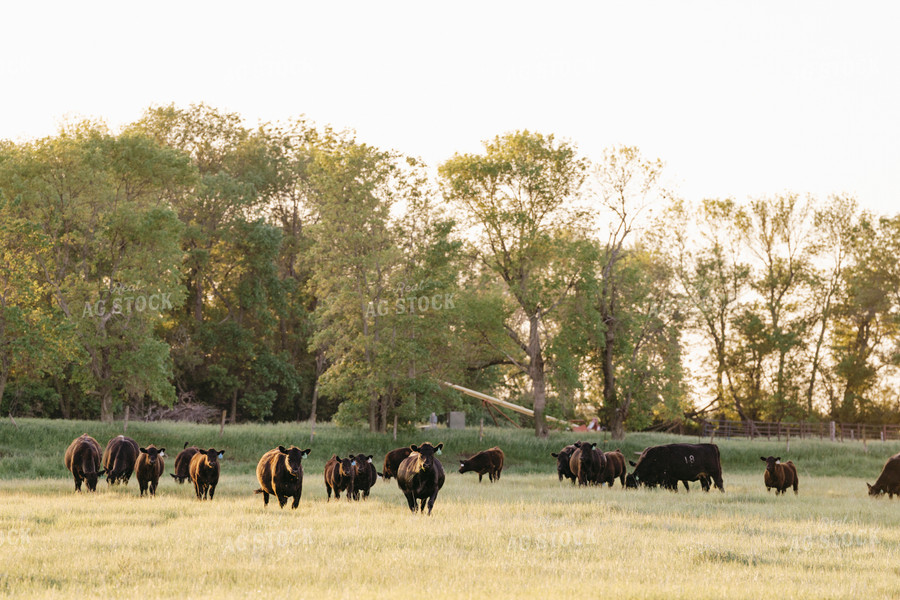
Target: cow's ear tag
353	463
221	454
369	461
438	451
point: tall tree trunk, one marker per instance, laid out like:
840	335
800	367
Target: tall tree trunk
536	372
320	368
106	412
234	396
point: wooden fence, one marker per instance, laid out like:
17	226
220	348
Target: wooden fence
827	430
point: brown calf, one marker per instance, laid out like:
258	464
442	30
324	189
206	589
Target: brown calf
149	467
779	475
392	462
614	469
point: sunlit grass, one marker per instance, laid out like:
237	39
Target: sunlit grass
526	536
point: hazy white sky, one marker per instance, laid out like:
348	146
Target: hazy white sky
739	99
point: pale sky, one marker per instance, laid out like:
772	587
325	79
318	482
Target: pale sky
741	99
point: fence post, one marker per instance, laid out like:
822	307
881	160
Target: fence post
222	425
831	430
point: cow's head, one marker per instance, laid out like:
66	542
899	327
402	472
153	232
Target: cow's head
426	453
211	457
587	453
292	459
90	479
153	453
875	491
347	467
770	461
631	481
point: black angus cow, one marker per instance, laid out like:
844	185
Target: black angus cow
366	475
889	480
667	465
82	458
562	462
421	476
204	472
280	473
183	463
587	463
118	459
340	475
615	468
148	467
488	461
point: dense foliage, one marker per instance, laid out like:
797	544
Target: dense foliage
289	272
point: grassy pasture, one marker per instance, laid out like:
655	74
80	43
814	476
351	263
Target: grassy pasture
526	536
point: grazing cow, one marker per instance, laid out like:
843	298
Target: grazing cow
615	468
392	462
587	463
183	463
562	462
779	475
280	473
488	461
204	472
889	480
421	476
149	467
340	475
366	476
119	458
82	458
669	464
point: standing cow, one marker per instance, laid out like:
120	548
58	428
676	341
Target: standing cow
889	480
82	459
562	462
421	476
183	463
488	461
587	463
614	468
118	459
392	462
204	472
149	467
280	473
779	475
340	475
366	475
667	465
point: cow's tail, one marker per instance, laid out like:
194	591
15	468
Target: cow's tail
259	491
718	480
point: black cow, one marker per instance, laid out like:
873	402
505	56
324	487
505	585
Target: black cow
488	461
149	466
562	462
889	479
82	458
669	464
204	472
421	476
340	475
118	459
280	473
366	475
614	469
183	463
587	463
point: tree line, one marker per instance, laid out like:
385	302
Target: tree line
290	271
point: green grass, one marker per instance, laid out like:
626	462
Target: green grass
527	536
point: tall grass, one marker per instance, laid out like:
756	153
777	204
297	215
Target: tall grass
526	536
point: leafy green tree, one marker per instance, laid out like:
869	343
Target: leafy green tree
517	198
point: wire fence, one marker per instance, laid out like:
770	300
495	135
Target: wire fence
825	430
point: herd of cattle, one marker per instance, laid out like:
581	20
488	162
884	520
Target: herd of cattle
419	474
